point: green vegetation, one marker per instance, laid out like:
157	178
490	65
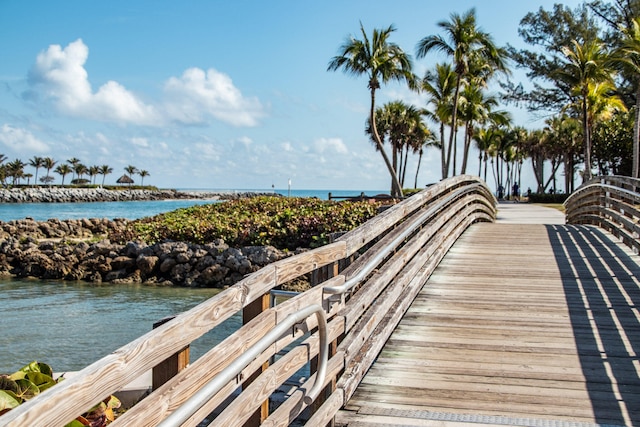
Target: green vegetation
285	223
33	379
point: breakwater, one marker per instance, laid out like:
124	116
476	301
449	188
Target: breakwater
77	195
80	250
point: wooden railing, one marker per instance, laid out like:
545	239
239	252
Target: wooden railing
610	202
372	275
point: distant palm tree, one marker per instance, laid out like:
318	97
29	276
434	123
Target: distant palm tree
74	161
80	170
49	163
93	171
142	174
104	170
63	170
382	62
36	162
130	170
15	170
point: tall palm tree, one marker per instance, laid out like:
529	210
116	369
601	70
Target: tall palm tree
585	64
63	170
104	170
15	170
80	169
628	55
130	169
142	174
439	85
36	162
381	61
469	47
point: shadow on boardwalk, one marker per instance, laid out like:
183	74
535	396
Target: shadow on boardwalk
603	295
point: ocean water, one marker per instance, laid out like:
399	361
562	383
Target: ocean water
70	325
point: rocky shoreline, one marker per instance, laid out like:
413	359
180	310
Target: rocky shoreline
43	194
79	250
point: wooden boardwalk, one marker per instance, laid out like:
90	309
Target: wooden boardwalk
522	324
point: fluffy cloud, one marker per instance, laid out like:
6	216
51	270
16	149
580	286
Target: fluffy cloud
21	140
59	76
198	95
330	144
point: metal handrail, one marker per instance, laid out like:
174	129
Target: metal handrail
206	393
377	259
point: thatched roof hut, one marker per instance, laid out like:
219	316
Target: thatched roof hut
125	179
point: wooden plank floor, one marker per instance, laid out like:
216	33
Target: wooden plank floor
521	324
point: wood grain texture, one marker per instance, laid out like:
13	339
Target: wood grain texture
518	321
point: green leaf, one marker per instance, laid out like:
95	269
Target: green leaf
7	383
8	400
26	389
40	379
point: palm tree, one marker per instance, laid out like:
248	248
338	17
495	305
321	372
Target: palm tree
585	65
79	169
130	170
49	163
36	162
104	170
63	170
382	62
93	172
15	170
628	55
142	174
74	161
470	48
439	85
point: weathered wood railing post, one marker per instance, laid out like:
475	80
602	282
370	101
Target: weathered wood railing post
248	313
167	369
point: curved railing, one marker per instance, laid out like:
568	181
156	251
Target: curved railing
610	202
371	275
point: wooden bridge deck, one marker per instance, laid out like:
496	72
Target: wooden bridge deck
521	324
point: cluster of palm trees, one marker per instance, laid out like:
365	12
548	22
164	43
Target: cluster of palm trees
458	100
13	172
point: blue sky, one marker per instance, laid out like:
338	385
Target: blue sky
214	94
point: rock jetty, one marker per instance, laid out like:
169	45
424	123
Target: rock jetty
79	250
43	194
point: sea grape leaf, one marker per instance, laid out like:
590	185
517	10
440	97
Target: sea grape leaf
8	400
39	379
26	389
6	383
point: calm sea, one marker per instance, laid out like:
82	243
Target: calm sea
70	325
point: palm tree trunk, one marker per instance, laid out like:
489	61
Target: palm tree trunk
443	157
467	146
454	121
396	189
636	137
587	140
415	183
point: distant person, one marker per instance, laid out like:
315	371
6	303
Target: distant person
516	192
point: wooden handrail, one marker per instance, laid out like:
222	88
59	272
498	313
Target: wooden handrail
420	230
610	202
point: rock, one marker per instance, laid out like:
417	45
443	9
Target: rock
147	264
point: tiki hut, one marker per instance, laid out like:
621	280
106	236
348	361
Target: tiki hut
125	179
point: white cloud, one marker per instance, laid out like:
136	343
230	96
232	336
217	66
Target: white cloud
330	144
59	75
206	151
286	146
21	140
140	142
198	95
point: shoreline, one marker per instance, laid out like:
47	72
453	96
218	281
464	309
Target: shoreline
85	195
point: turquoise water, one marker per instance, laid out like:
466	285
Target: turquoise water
71	325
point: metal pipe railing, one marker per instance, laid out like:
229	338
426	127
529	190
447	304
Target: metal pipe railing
206	393
380	256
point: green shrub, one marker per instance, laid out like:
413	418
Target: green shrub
282	222
34	378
